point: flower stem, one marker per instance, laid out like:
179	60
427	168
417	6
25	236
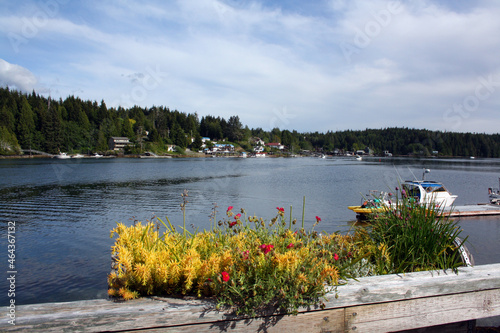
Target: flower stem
303	211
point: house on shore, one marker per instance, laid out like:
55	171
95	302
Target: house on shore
275	145
118	142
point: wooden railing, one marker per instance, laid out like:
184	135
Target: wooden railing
384	303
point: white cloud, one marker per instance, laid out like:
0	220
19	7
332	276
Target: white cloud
16	77
250	58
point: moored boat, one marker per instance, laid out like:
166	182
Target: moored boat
494	194
425	192
62	156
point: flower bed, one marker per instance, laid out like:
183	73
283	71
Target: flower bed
255	266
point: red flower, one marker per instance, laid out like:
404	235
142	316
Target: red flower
245	255
289	246
225	276
232	224
318	219
229	208
266	248
280	209
336	256
237	216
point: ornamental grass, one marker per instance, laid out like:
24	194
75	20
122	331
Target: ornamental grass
411	236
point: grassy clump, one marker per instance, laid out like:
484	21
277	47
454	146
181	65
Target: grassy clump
410	237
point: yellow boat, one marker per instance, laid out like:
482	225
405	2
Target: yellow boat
425	192
376	202
366	210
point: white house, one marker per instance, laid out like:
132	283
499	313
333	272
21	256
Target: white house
275	145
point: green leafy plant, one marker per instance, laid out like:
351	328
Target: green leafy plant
411	236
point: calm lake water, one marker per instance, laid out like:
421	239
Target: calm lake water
64	209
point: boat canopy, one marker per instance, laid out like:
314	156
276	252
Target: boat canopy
428	186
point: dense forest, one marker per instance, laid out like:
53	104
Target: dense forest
31	121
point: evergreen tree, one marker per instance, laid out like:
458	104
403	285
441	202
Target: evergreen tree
179	136
127	130
25	125
234	129
8	142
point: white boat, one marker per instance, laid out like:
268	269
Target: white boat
62	156
494	194
77	156
359	158
97	155
426	192
429	192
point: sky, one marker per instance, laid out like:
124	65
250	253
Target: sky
320	65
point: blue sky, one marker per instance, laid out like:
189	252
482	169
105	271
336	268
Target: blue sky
305	66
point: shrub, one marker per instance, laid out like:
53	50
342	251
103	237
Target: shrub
411	236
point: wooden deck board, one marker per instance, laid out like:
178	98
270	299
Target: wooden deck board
474	210
381	303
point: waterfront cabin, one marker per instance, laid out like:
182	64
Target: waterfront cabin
275	145
118	142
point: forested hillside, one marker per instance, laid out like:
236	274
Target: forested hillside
31	121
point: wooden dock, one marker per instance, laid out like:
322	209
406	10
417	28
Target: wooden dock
473	210
435	300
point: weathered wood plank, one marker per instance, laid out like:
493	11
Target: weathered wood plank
395	287
391	302
428	311
316	321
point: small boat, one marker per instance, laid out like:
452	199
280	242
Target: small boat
149	154
375	202
77	156
494	194
62	156
97	155
426	192
359	158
